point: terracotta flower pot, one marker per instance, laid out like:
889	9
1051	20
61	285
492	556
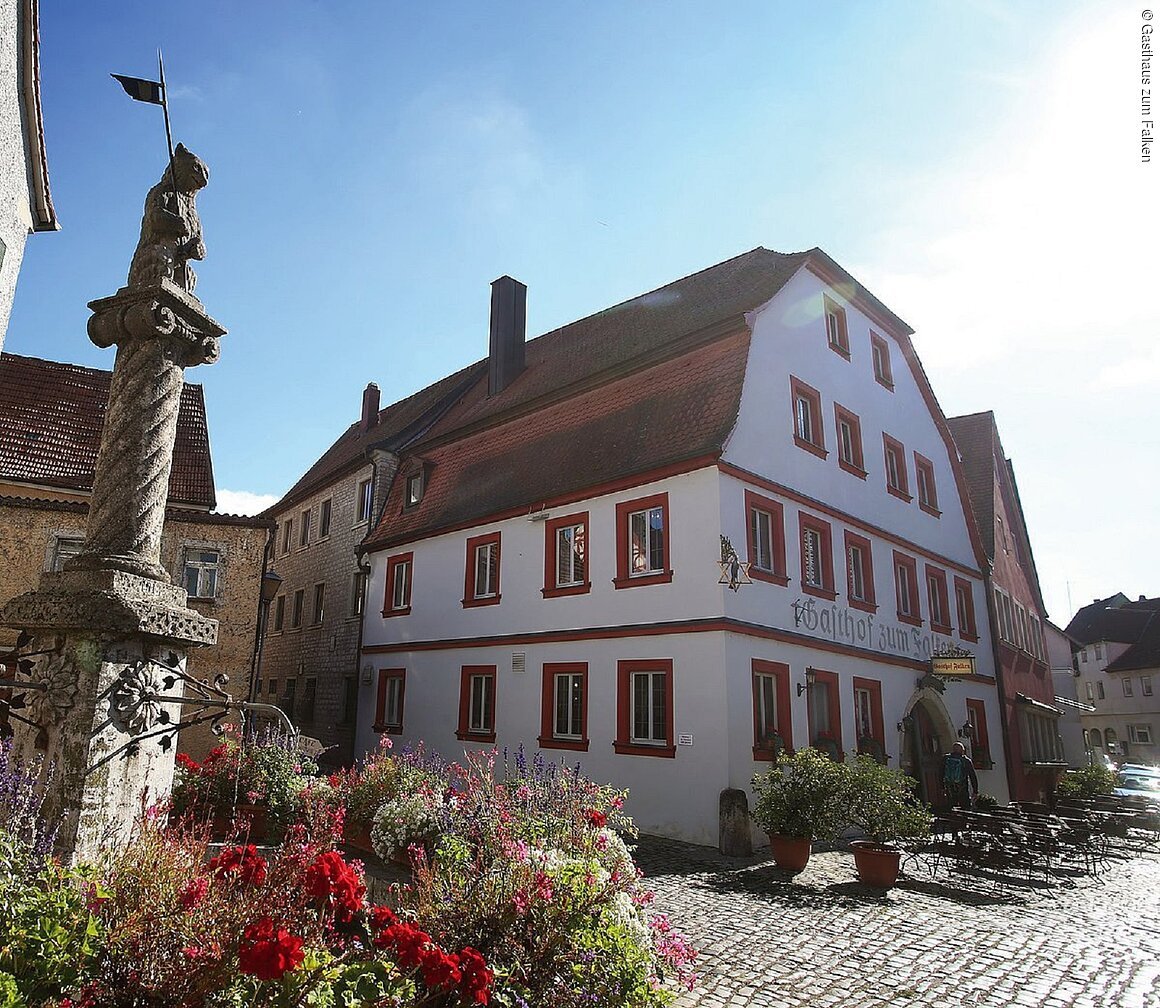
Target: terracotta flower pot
877	864
790	853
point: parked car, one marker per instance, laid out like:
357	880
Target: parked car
1136	781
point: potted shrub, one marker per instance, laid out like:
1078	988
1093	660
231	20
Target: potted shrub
365	789
797	801
880	802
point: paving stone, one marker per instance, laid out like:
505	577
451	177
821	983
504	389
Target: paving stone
771	940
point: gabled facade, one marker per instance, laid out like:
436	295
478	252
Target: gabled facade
25	200
1118	658
310	664
549	567
1031	718
51	416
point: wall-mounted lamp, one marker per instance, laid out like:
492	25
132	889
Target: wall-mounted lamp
905	724
965	730
811	678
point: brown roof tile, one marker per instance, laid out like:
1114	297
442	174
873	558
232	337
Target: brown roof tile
974	436
51	415
676	410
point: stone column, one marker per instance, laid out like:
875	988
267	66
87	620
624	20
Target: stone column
109	635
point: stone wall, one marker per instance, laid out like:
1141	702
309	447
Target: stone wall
321	659
31	529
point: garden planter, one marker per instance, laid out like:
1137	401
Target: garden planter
790	853
877	864
358	835
251	821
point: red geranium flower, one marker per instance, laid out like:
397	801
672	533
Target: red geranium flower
269	952
192	893
440	969
243	862
596	818
476	977
331	879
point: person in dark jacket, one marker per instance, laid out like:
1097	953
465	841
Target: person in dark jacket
959	782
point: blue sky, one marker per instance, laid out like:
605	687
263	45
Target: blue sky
375	165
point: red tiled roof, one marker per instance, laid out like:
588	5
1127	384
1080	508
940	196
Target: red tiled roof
398	422
676	410
974	436
651	382
51	415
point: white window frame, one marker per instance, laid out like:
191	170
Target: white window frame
846	442
401	585
935	601
902	589
648	717
566	687
856	565
863	709
766	704
893	462
1141	734
414	492
812	557
364	499
761	532
205	569
481	704
1126	685
358	593
64	548
1145	685
921	478
650	540
570	554
485	562
319	608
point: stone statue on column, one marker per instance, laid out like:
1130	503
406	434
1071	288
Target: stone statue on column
111	631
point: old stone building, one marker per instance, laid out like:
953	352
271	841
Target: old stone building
50	426
310	657
25	200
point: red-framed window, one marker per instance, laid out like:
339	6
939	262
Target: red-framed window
925	485
772	720
481	574
806	402
644	708
894	458
824	712
817	556
391	691
869	732
476	704
836	333
848	435
397	601
566	553
937	603
906	589
642	542
765	536
880	357
564	706
859	572
980	742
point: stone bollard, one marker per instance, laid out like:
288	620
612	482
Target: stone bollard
736	839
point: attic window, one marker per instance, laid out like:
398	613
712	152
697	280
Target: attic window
414	489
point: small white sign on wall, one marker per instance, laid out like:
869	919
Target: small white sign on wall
684	740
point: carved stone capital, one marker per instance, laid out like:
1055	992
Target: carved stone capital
157	311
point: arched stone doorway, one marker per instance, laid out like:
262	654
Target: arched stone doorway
927	736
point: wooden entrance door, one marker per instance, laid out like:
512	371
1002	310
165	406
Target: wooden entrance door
929	757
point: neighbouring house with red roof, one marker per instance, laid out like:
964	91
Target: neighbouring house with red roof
25	199
1118	658
310	663
1030	721
668	540
51	415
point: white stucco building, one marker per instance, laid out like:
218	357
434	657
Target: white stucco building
25	201
547	567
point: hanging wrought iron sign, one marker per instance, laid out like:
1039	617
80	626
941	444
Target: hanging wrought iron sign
734	572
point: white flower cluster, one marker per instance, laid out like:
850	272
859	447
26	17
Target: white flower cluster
405	819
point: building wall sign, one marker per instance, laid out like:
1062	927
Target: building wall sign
860	629
952	666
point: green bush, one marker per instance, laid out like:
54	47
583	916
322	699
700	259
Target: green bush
801	796
881	802
1086	783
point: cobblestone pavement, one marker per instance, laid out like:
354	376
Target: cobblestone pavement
821	939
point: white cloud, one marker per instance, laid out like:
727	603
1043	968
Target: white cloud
243	502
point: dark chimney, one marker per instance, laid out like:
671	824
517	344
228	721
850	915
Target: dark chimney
505	352
370	410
